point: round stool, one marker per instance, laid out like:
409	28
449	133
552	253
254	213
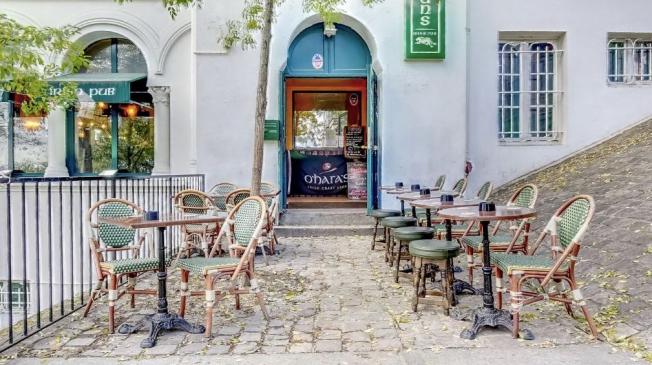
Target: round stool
379	214
434	252
405	235
391	223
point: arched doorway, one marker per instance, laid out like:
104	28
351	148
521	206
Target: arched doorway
328	143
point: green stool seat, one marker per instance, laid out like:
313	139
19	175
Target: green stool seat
434	249
398	222
413	233
384	213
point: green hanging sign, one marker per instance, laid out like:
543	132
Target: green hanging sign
425	30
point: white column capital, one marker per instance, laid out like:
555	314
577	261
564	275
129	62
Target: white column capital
160	94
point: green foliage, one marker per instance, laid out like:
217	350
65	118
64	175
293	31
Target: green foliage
173	6
28	57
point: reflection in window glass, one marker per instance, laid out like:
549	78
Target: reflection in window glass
30	144
130	59
99	55
136	143
4	136
319	119
93	138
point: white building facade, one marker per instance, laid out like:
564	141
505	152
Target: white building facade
522	84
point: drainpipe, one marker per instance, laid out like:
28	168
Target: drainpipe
467	116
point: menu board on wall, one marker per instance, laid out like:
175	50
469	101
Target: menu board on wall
354	142
357	180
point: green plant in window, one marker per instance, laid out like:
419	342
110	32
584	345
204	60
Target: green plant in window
136	145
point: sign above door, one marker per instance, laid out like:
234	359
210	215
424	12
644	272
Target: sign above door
425	30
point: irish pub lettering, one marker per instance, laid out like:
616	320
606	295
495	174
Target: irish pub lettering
424	29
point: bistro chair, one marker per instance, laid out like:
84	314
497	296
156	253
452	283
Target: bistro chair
546	275
192	201
378	215
460	186
235	197
516	240
432	256
472	228
242	229
107	241
270	193
219	193
439	183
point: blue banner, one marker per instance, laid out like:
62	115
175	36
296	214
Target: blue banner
319	175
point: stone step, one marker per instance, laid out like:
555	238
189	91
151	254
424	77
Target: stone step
323	230
326	217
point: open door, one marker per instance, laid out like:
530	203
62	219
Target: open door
372	142
282	153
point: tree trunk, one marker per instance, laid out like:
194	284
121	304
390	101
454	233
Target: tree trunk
261	98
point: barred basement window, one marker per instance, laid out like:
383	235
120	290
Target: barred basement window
629	61
20	296
528	93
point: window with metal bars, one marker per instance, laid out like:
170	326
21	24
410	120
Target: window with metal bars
20	296
629	61
528	93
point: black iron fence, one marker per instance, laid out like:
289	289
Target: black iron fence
46	271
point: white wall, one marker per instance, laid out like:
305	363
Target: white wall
591	109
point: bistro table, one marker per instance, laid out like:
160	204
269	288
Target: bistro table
459	286
488	315
163	319
416	195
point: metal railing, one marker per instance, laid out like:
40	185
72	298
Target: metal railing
46	270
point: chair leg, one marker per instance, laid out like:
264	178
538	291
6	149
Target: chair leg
91	300
469	263
577	296
210	302
184	292
113	296
417	283
259	294
499	288
515	298
131	285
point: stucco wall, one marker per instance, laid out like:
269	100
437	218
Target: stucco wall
592	110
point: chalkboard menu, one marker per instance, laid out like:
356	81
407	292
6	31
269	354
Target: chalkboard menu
354	142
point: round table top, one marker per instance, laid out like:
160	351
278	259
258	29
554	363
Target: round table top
502	213
415	195
404	190
436	203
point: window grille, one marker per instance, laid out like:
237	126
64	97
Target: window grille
629	61
20	296
528	92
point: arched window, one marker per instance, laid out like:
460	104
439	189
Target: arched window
113	126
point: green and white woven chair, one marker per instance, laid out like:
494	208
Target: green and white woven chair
535	278
219	192
242	229
516	239
106	241
439	183
467	229
189	202
460	186
235	197
270	193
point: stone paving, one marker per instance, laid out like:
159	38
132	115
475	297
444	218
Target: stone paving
324	296
616	258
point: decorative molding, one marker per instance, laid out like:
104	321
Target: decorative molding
167	46
160	94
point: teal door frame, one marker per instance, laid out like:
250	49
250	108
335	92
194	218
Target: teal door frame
344	55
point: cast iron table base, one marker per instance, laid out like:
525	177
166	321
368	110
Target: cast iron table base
162	320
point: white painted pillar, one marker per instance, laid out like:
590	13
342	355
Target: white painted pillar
161	99
56	144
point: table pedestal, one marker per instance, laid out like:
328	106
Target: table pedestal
162	320
488	315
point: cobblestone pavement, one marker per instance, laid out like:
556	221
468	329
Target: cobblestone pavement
616	258
325	295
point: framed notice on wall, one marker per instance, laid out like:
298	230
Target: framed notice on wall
425	30
354	142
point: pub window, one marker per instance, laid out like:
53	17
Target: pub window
629	61
114	135
23	138
528	92
14	297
